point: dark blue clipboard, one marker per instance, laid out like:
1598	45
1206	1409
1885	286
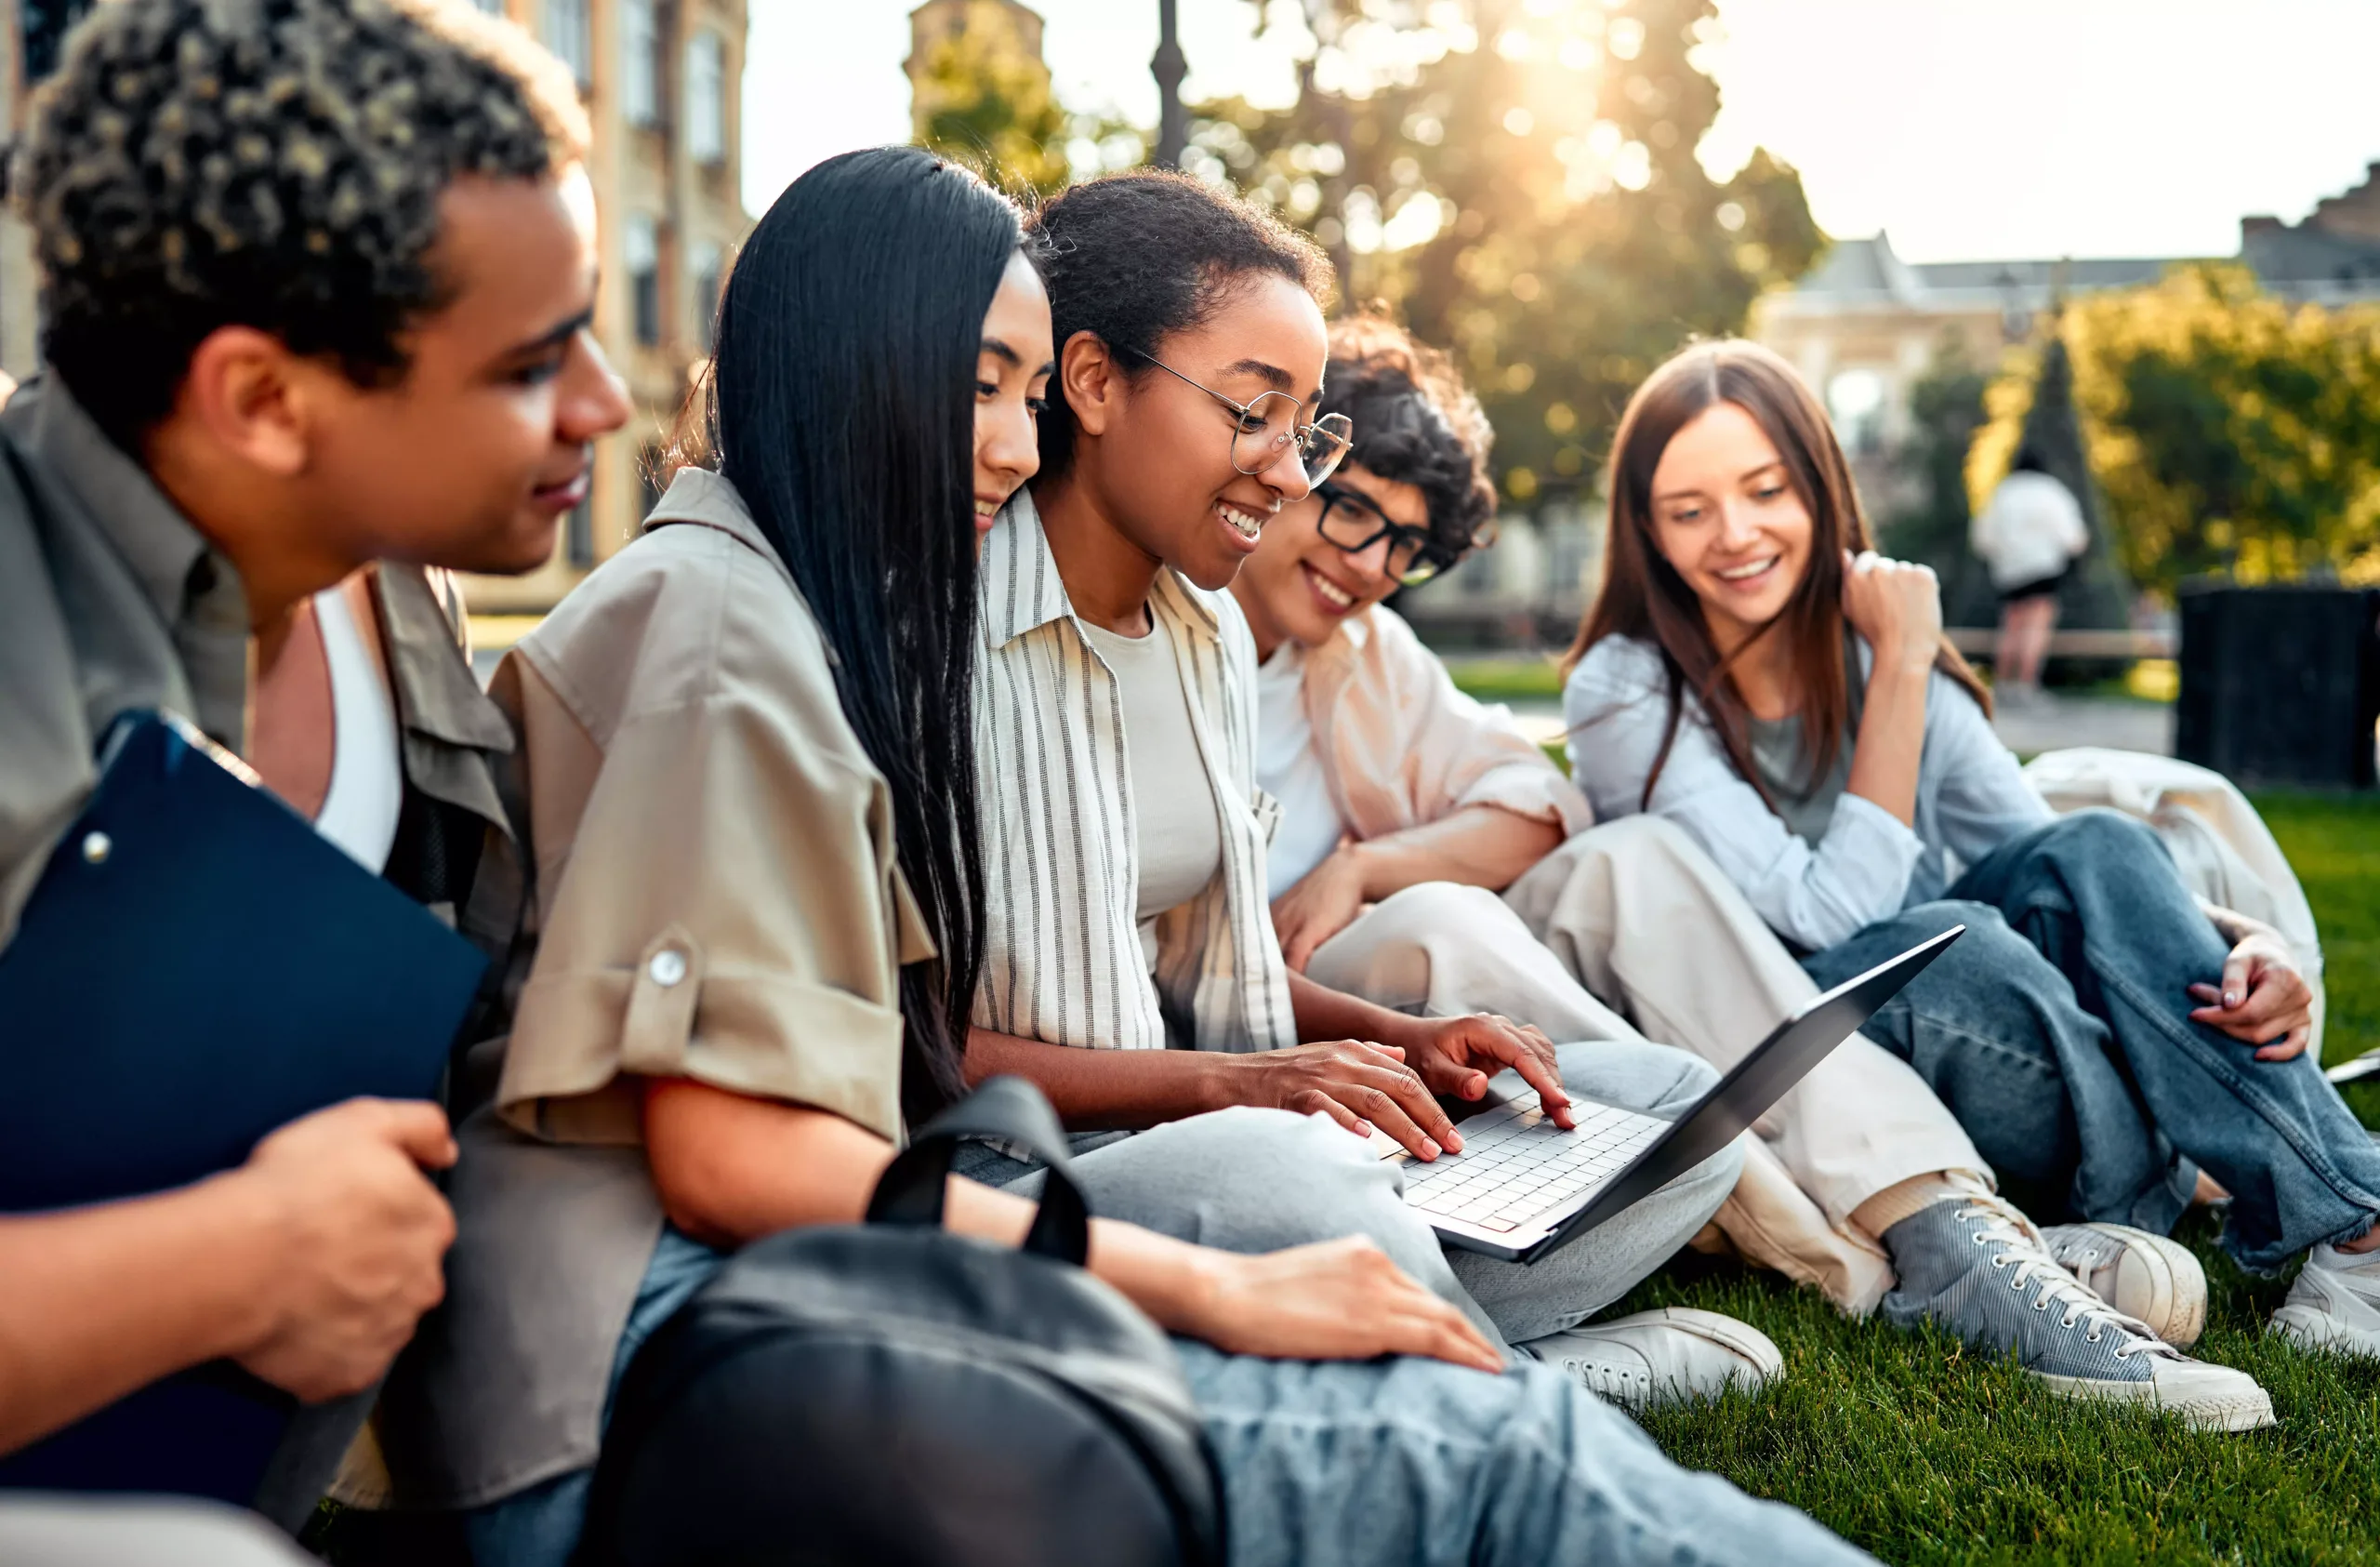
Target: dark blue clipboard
196	967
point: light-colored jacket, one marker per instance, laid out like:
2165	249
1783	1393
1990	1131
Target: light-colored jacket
1971	799
1401	746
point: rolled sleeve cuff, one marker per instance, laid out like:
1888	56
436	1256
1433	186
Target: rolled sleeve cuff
758	1034
1870	854
1537	792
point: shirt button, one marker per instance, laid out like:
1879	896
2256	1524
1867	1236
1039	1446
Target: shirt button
667	967
97	846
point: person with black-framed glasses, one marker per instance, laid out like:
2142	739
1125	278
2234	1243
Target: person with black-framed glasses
1406	806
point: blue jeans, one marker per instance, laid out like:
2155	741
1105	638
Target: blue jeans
1340	1463
2058	1030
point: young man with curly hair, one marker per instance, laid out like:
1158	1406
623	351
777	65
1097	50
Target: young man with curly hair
317	283
1407	808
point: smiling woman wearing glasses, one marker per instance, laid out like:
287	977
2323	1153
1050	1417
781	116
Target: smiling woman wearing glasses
1130	967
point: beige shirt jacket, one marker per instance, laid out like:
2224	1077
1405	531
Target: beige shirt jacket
715	897
111	601
1401	746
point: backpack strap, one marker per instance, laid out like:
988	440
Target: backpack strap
1004	1109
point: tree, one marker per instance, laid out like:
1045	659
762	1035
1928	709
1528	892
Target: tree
1518	178
1946	407
2096	593
2227	431
985	102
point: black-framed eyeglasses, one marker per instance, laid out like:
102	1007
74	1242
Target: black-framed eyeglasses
1351	522
1264	429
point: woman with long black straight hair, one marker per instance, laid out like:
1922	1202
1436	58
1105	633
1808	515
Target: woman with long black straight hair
744	755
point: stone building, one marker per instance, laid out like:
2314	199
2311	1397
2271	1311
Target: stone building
662	82
1865	325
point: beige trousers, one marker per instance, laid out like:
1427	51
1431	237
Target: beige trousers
1628	932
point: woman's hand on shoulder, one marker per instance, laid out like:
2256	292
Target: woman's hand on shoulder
1333	1300
1897	606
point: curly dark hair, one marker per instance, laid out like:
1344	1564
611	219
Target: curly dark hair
274	163
1415	423
1134	258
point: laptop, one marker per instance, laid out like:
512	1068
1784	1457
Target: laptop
1521	1187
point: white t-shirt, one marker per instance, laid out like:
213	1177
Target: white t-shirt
1181	838
1290	769
2028	531
367	785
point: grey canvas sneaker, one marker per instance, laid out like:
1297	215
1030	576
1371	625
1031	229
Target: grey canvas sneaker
1977	1267
2144	1276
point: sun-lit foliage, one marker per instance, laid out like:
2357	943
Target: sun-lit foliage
1518	177
2229	430
985	102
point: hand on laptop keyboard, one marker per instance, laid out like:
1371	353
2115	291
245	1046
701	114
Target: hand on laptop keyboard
1357	1085
1457	1055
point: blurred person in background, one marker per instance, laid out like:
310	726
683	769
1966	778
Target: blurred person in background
260	307
2029	536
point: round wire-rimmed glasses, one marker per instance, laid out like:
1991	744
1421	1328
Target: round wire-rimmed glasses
1352	522
1265	428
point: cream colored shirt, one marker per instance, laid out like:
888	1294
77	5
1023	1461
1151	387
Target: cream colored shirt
716	896
1180	847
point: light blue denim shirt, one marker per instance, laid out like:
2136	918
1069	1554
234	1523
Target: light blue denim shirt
1971	798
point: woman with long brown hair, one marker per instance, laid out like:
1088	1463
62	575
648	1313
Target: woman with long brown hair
1753	671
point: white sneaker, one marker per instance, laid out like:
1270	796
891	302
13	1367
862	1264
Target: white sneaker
1655	1357
2334	1304
2146	1277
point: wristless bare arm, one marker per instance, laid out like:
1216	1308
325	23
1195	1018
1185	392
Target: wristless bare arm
309	1265
1478	845
1102	1090
731	1169
99	1301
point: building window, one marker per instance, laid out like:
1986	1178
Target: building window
644	258
706	97
45	24
640	62
710	265
1856	399
570	33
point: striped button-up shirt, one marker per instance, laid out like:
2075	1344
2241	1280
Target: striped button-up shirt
1063	956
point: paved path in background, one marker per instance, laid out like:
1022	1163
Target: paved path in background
2054	724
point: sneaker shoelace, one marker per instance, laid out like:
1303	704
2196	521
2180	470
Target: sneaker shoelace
1608	1381
2032	1263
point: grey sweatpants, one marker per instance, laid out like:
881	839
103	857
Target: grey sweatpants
1256	1181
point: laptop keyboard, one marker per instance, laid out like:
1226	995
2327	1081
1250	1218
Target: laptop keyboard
1517	1168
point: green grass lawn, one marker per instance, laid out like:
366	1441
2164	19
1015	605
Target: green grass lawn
1922	1453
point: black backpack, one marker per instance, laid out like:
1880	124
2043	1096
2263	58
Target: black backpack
893	1395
